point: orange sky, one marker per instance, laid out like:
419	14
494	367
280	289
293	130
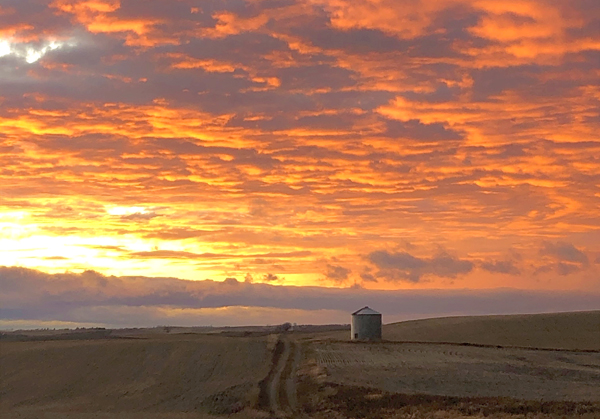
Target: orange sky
376	143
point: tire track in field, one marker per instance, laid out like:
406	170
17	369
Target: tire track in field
276	384
278	389
264	396
290	384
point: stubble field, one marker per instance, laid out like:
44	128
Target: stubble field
463	371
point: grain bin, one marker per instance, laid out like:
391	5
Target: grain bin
366	325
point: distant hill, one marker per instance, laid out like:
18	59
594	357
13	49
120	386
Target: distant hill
575	330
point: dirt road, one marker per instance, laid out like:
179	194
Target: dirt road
280	385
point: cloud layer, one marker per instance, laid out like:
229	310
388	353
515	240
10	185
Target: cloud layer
37	299
389	144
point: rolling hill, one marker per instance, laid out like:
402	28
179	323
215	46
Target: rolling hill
575	330
570	331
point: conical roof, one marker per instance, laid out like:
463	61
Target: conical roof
365	311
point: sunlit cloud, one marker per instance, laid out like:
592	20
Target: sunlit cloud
31	53
34	55
376	144
126	210
4	48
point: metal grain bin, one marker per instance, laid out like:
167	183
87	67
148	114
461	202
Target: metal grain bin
366	325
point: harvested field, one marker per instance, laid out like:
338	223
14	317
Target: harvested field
573	331
463	371
170	375
242	374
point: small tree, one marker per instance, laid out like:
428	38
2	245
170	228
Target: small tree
285	327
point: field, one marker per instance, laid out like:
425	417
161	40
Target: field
165	374
252	373
452	370
578	330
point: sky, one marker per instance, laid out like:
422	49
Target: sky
156	155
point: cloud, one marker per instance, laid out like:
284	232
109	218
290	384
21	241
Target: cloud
564	252
137	216
36	298
501	266
404	266
231	281
414	129
368	277
386	260
567	268
107	247
181	233
271	277
337	273
561	268
261	130
563	258
177	254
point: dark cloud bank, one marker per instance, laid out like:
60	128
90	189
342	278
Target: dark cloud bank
403	265
35	298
